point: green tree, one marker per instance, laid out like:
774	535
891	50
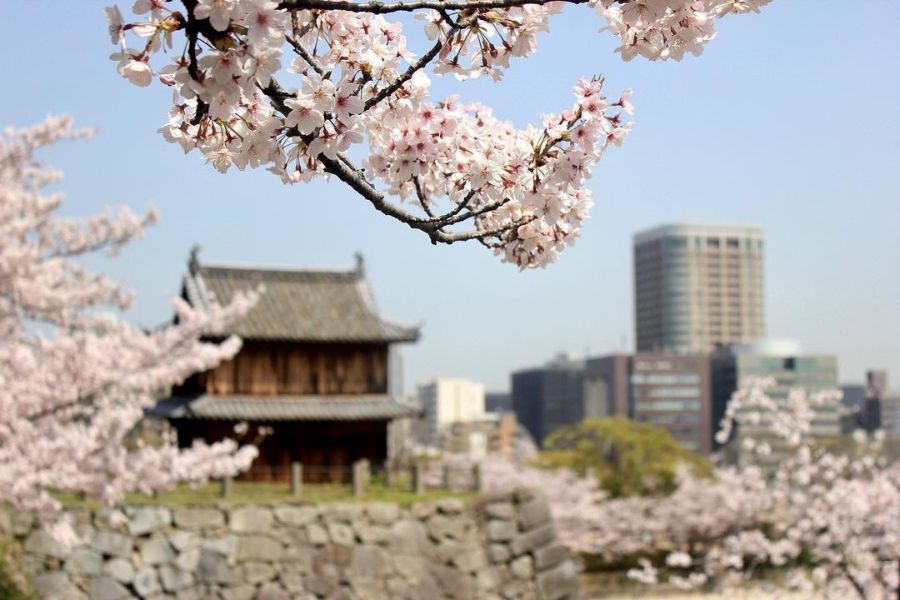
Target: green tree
628	458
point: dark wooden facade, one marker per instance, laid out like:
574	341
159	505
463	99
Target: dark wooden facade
271	368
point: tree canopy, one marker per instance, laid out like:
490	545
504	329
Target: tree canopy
628	458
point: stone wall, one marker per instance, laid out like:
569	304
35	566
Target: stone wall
498	547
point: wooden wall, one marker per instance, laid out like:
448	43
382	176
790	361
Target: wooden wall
327	449
294	369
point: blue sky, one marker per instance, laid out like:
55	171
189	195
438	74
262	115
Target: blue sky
790	120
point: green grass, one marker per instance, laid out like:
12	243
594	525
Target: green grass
243	492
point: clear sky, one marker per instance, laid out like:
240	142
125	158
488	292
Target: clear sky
790	120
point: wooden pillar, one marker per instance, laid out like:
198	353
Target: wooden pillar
296	479
418	478
360	477
226	486
445	479
388	475
477	481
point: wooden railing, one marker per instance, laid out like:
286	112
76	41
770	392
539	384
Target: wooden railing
417	477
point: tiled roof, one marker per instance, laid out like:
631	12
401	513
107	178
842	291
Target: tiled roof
284	408
297	304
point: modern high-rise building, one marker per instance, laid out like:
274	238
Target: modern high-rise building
669	391
549	397
783	361
698	287
445	401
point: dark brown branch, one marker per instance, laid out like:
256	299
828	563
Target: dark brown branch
376	7
420	193
342	168
406	76
305	55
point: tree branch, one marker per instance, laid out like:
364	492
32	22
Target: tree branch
376	7
406	76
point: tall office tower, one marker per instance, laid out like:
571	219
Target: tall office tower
698	287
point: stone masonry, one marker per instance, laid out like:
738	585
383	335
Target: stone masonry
499	547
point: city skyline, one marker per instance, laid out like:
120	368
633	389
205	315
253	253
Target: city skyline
745	134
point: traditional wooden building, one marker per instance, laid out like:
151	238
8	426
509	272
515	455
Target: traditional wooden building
312	374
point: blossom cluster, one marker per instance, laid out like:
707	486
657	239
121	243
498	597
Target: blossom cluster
352	81
74	378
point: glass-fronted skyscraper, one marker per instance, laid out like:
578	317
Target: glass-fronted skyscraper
698	287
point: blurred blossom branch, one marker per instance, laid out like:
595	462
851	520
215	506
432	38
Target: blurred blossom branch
75	379
458	172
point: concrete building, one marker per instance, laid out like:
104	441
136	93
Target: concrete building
670	391
698	287
790	368
445	401
549	397
498	402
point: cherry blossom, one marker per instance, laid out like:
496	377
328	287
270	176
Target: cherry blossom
74	378
458	171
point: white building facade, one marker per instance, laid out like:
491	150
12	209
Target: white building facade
446	401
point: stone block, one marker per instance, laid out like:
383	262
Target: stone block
197	517
290	579
259	547
316	534
21	522
295	516
119	569
409	537
489	579
42	543
559	582
341	533
249	519
383	513
322	584
450	506
157	551
499	510
147	519
49	583
550	556
146	582
534	513
182	540
470	559
107	588
524	495
501	531
226	546
443	527
272	591
368	561
525	542
240	592
214	567
371	534
343	512
422	510
84	561
174	579
499	553
522	567
256	571
111	543
187	560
